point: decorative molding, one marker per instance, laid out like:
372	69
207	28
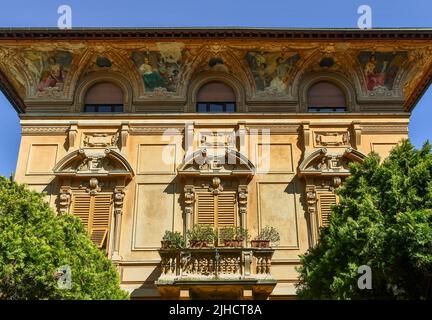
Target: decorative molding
332	139
357	129
398	129
45	130
273	129
93	187
216	186
152	130
100	140
88	162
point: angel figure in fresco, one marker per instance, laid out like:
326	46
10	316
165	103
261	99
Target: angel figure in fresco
151	76
375	78
52	76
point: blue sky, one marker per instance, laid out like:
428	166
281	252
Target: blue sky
202	13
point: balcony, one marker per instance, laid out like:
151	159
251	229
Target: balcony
216	273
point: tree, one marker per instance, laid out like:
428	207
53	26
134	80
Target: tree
384	221
35	242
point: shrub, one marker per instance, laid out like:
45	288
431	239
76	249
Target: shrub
35	242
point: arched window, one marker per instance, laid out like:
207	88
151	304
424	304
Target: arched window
326	97
104	97
216	97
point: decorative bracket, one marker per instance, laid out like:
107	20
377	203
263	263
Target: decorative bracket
65	199
72	133
189	193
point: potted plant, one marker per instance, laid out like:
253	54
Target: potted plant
266	236
201	236
172	240
233	236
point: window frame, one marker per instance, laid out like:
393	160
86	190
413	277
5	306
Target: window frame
99	106
224	105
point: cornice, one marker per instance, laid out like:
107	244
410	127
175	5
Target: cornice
211	33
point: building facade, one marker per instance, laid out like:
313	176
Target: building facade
139	131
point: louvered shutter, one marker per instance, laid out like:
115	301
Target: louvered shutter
326	201
81	208
226	209
206	205
100	219
94	212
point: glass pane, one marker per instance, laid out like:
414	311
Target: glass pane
202	107
118	108
104	108
89	108
230	107
216	107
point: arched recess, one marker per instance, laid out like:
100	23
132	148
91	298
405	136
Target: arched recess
323	172
100	77
210	177
214	76
93	186
340	81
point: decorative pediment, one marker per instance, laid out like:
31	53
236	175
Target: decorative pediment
231	163
94	162
322	162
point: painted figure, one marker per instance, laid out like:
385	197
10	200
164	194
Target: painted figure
49	69
52	76
151	76
272	71
160	70
381	68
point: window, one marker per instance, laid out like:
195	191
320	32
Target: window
104	97
216	210
216	97
326	97
94	212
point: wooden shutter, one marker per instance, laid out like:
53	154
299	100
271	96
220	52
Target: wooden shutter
81	207
206	205
216	210
94	212
226	209
326	201
101	219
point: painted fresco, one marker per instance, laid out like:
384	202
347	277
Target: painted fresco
160	70
380	68
50	69
272	71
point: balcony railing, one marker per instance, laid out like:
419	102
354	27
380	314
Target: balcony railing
217	263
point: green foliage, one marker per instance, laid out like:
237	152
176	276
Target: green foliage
202	233
269	233
34	243
175	239
383	220
233	233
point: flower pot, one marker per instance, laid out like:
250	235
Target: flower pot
199	244
233	243
260	243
